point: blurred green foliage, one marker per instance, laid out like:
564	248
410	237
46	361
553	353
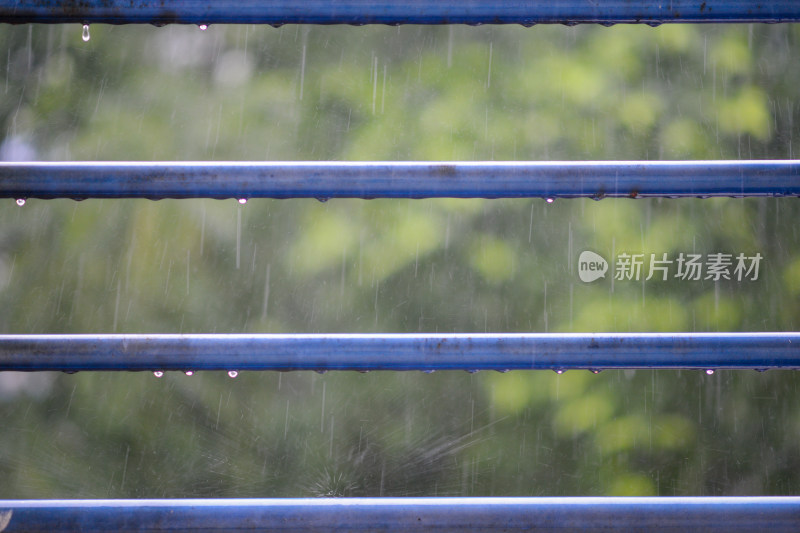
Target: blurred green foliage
405	93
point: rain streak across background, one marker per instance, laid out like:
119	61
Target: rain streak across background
281	266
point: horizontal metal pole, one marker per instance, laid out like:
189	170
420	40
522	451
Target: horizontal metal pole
324	180
679	514
398	12
401	351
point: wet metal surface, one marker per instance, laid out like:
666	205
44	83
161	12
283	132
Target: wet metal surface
500	352
323	180
397	12
774	514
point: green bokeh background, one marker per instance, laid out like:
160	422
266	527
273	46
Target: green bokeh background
386	93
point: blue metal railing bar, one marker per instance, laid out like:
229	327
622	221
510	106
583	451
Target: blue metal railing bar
597	180
424	352
680	514
324	180
397	12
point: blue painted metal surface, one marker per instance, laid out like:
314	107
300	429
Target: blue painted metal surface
773	514
398	12
325	180
401	351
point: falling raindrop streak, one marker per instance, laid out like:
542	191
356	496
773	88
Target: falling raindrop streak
302	71
85	35
374	83
238	238
489	75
